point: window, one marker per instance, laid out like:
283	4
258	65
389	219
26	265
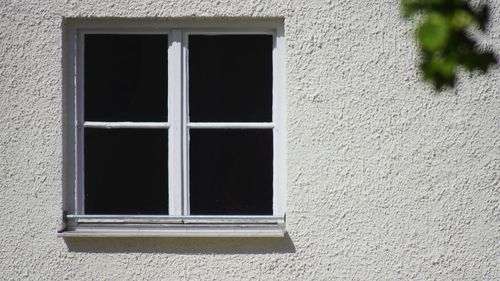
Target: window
174	129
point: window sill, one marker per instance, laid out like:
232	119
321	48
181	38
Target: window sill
167	226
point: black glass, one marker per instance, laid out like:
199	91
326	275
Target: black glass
230	78
231	172
126	77
126	171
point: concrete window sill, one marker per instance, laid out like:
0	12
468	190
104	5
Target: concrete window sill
165	226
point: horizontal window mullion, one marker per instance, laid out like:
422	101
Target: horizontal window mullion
125	31
126	125
155	219
230	125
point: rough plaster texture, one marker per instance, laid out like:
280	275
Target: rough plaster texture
387	180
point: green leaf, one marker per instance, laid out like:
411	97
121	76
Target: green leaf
410	7
444	43
434	33
461	19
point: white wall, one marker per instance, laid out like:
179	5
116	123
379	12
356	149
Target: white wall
387	179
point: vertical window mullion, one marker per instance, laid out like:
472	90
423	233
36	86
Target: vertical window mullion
185	121
175	120
279	120
80	192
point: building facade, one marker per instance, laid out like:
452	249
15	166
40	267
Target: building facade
380	177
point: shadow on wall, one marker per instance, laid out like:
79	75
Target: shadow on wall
182	245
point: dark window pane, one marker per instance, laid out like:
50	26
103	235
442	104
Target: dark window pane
126	171
230	78
231	172
125	77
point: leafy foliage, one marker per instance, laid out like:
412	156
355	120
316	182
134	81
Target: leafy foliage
444	41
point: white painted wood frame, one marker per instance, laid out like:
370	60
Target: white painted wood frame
278	123
178	127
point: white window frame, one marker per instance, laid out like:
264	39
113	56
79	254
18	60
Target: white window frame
179	222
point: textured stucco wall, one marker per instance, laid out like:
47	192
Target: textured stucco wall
386	179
